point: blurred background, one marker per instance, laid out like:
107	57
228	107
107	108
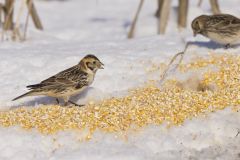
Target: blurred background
97	20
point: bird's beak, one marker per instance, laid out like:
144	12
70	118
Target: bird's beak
101	66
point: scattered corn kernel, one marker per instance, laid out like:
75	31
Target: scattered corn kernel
143	106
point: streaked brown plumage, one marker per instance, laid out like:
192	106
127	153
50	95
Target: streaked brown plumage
221	28
68	82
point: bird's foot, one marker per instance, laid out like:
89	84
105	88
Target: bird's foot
227	46
75	104
57	101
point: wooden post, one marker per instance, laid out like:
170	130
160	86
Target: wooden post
1	11
199	3
163	16
215	6
160	2
132	29
8	17
182	13
34	15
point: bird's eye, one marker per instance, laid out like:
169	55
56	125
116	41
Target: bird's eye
197	23
94	62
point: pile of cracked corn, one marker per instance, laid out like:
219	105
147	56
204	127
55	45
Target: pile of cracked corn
218	88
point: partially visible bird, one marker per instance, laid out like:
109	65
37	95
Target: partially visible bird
68	82
221	28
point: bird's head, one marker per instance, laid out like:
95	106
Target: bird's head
91	63
198	24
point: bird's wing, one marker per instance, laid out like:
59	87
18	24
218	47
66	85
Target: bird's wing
69	77
61	75
225	23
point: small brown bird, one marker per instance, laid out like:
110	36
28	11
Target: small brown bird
68	82
221	28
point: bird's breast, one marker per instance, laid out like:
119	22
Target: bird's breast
90	79
223	39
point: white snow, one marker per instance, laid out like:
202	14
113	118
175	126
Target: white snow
75	28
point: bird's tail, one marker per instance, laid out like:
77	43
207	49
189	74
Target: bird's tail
35	86
24	95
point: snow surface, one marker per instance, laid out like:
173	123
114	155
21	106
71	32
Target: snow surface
79	27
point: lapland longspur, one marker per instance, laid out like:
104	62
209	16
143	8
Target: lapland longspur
221	28
68	82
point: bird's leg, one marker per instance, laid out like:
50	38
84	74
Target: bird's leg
79	105
65	103
227	46
57	101
65	100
